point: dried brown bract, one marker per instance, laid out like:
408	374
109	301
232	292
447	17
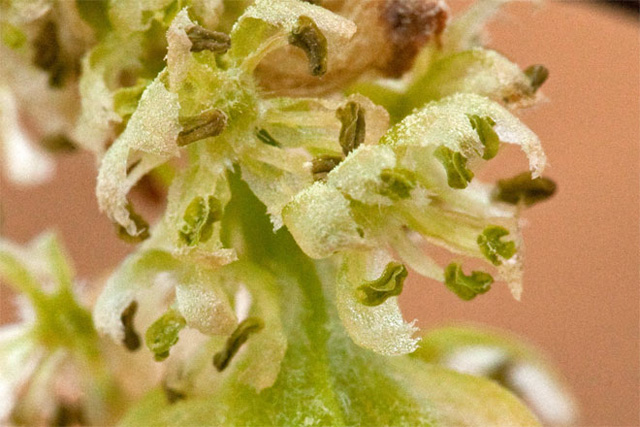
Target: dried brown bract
411	24
389	36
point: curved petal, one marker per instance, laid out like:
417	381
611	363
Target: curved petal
149	138
380	328
320	220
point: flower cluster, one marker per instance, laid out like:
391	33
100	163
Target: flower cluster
357	127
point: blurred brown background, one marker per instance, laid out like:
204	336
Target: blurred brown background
581	300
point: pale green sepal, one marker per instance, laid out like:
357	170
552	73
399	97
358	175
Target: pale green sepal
94	127
480	71
256	362
455	231
258	292
413	255
319	219
359	175
380	328
201	299
446	123
275	176
178	50
150	137
134	280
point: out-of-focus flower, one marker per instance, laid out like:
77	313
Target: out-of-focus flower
51	367
506	360
23	162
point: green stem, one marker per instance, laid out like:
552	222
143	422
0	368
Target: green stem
247	226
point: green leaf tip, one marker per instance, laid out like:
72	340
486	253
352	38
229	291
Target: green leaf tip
374	292
488	136
522	188
398	183
266	137
203	39
537	74
250	325
492	247
207	124
163	334
131	338
353	129
322	165
142	228
307	36
466	287
458	176
198	220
